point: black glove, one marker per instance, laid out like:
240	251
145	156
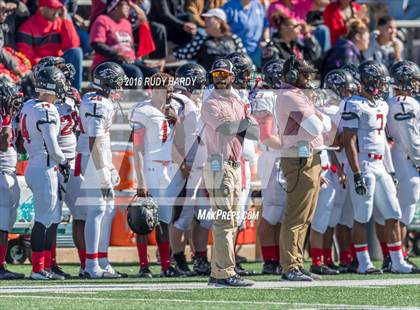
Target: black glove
360	184
107	194
65	171
394	179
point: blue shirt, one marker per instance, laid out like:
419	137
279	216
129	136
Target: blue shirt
248	24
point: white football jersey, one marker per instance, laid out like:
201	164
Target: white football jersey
369	118
404	126
95	120
68	118
194	131
35	112
8	159
159	134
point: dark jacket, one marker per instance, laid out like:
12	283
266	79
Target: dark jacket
166	12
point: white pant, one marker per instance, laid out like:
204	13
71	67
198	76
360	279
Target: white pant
9	200
244	197
164	184
381	192
43	182
74	191
196	201
408	190
273	195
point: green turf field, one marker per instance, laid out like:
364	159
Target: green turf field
343	292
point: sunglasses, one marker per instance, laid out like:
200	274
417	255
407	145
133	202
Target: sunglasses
222	74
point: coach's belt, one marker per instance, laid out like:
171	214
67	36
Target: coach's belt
375	156
293	153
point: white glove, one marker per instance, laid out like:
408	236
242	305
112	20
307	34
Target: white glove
115	177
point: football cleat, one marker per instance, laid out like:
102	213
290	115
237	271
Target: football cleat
271	267
55	276
42	275
242	271
171	272
370	270
408	261
57	270
201	266
9	275
97	273
323	270
181	265
145	273
386	264
310	274
234	281
296	275
115	274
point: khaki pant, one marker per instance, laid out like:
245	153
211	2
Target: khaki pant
224	189
303	184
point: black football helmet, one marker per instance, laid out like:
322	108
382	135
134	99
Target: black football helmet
109	76
273	73
341	82
142	215
374	78
58	62
194	75
51	80
11	96
243	68
405	76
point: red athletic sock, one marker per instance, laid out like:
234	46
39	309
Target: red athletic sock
142	251
384	248
3	251
316	255
37	261
82	258
353	252
345	257
47	259
269	253
327	256
53	256
165	255
201	254
278	252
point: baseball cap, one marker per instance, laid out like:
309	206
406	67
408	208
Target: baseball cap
52	4
222	65
219	13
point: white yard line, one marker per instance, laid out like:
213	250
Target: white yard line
189	301
203	285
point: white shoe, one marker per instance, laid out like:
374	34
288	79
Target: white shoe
94	274
55	276
110	273
40	275
402	268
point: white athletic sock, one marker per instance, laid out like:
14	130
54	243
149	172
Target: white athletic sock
397	257
92	235
106	226
362	253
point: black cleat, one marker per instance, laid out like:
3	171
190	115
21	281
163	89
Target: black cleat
145	273
242	271
353	266
235	281
201	266
371	270
323	270
296	275
9	275
181	265
334	267
171	272
387	264
310	274
271	267
344	268
57	270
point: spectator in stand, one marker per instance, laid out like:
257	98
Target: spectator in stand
291	38
111	38
384	45
289	8
248	20
216	43
337	16
180	27
197	7
50	33
315	19
349	48
16	12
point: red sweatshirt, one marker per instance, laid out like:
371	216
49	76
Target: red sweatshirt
335	22
38	37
